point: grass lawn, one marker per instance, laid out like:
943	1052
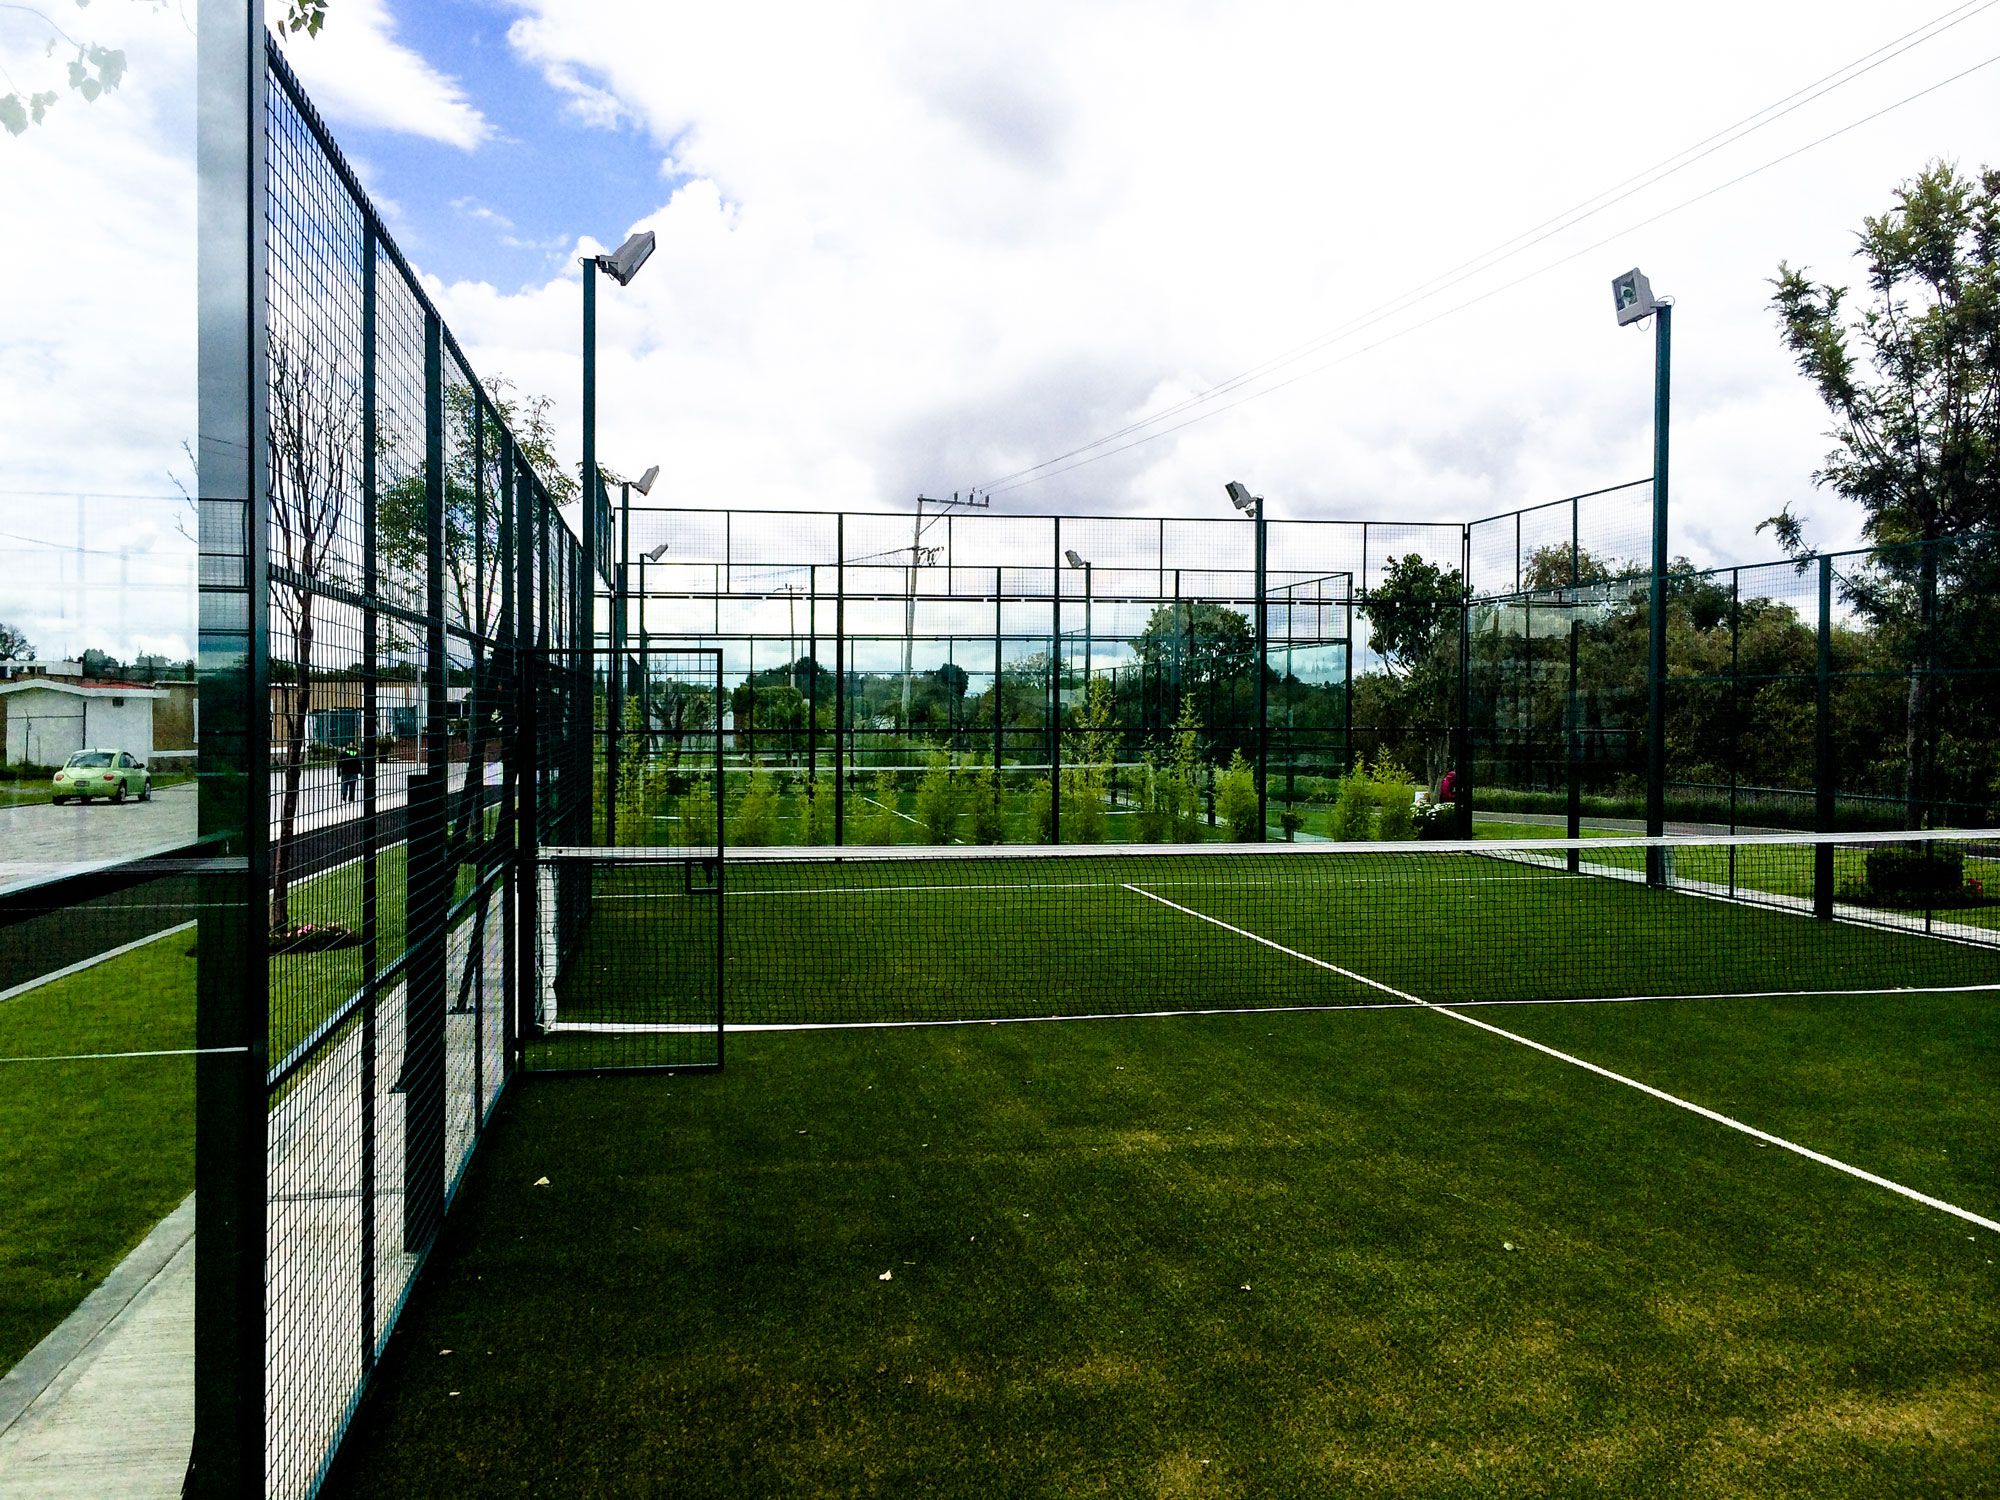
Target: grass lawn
92	1154
1359	1253
42	788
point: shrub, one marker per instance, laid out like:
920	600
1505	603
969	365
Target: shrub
1899	875
756	820
982	810
1150	825
816	812
1354	808
1291	820
697	816
1041	794
878	823
1236	799
938	799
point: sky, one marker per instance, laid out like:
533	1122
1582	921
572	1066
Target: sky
911	249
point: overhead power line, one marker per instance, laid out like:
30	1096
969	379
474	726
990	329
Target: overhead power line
1528	238
1505	286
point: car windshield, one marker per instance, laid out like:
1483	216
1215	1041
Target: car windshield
89	758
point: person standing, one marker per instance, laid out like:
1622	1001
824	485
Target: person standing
350	770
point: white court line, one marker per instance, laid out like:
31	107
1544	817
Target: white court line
1045	885
1590	1067
92	962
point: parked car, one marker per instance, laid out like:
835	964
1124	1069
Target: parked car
103	773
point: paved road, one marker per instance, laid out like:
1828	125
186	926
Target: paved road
67	892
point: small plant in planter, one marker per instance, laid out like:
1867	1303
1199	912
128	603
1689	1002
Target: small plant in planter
1435	820
1291	820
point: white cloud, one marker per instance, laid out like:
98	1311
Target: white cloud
359	74
923	246
97	358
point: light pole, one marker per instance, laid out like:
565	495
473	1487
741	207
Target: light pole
614	704
621	265
1253	506
1089	644
1633	296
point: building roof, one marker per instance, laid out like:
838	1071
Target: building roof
94	689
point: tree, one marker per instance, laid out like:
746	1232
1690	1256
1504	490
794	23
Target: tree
14	643
1913	384
1196	643
1558	566
93	70
1412	612
1413	617
314	447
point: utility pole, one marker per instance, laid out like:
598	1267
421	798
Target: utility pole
922	556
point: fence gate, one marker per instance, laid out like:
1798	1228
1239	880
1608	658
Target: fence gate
630	924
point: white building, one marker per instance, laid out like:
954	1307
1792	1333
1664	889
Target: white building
43	723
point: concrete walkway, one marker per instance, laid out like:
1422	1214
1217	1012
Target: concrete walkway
105	1404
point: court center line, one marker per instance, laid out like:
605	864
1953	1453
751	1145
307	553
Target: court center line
1860	1173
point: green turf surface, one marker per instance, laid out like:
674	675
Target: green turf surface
1359	1253
92	1154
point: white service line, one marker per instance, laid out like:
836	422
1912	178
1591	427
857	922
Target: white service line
91	962
1590	1067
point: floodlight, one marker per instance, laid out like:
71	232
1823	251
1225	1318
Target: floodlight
1074	560
656	554
1633	296
1241	498
622	264
644	483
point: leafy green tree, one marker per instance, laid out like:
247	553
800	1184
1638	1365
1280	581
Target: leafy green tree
14	645
1413	619
93	70
1556	566
1236	799
1913	384
1178	787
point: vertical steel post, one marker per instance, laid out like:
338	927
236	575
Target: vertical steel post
839	680
1262	670
1824	771
527	802
614	708
999	708
1462	787
590	537
427	877
1656	648
370	731
1055	684
233	760
812	677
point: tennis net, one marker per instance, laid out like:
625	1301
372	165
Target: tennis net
816	936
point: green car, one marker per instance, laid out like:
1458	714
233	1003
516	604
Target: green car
103	773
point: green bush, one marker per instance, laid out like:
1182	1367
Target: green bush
816	812
1041	797
1150	826
1236	799
1291	820
878	823
756	820
696	827
1354	809
1898	875
938	799
982	810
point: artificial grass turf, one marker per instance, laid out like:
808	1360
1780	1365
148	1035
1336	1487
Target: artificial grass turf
92	1154
1207	1255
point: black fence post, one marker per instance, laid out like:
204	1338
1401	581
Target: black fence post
839	682
1055	685
1462	746
371	730
1823	762
233	760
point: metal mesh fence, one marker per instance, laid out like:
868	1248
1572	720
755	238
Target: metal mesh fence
420	586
